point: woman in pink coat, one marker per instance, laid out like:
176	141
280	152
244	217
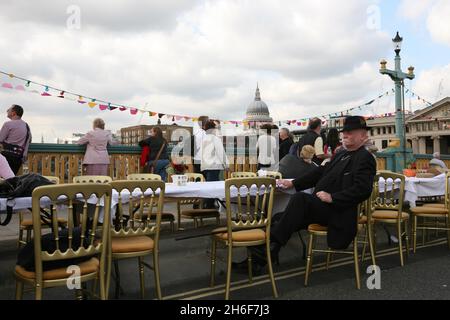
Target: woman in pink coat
96	158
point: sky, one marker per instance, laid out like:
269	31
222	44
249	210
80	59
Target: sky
196	57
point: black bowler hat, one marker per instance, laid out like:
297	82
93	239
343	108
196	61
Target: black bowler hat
355	123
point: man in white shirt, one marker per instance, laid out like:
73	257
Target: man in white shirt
199	136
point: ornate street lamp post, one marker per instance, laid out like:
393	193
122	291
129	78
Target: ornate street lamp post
398	76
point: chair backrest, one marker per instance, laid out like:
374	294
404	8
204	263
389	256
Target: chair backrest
53	179
243	175
195	177
192	177
142	201
254	204
92	179
388	192
274	174
144	176
88	238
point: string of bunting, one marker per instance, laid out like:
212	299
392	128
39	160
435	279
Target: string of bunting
50	91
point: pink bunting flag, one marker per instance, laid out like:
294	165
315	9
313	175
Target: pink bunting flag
133	111
7	85
103	107
45	94
81	101
20	87
122	108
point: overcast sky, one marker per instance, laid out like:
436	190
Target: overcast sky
195	57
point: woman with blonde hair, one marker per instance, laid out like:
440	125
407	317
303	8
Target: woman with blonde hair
96	158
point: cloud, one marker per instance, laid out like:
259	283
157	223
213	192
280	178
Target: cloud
110	16
191	58
434	84
437	22
414	9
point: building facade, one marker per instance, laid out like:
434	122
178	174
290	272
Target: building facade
131	136
427	130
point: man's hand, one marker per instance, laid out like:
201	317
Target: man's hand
285	184
324	197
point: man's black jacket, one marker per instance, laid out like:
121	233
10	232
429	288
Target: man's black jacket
349	180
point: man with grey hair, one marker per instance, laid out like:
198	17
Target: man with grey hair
437	162
285	143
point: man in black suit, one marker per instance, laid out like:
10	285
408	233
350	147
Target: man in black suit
338	189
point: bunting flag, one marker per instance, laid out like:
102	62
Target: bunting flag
48	91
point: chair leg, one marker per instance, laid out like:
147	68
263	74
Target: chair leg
448	230
19	290
38	290
423	231
141	276
329	258
79	294
228	284
117	278
400	242
28	235
20	241
407	237
363	253
370	232
356	260
271	275
309	258
414	233
156	274
213	263
178	215
250	264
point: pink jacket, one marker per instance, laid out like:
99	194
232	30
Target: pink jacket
97	141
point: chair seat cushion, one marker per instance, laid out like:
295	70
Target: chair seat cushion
132	244
429	210
86	267
317	228
29	222
165	216
388	214
244	235
434	205
200	213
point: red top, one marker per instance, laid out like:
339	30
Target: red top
144	155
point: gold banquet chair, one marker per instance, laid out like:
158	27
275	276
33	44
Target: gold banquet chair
26	225
165	216
436	211
246	227
195	214
243	175
316	230
138	237
144	176
274	174
387	208
87	242
92	179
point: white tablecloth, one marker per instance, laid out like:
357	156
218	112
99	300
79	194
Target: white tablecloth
419	187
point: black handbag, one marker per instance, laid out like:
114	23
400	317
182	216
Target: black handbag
21	186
